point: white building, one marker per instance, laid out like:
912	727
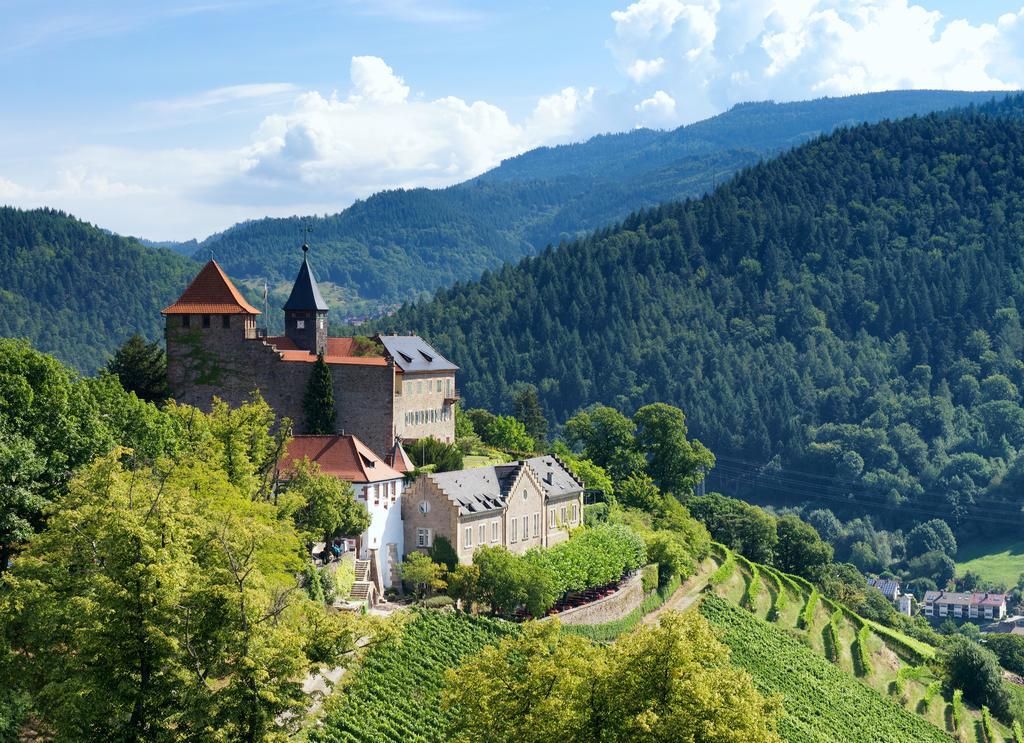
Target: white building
377	485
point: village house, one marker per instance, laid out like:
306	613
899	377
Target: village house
528	503
966	606
890	588
385	389
377	485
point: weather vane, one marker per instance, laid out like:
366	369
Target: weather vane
306	229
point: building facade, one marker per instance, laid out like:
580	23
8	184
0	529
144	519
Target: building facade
377	485
529	503
964	606
215	349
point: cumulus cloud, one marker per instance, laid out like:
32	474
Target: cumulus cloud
656	110
641	70
377	137
715	53
318	155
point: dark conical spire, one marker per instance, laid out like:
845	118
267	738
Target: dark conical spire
305	294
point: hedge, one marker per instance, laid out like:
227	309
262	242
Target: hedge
594	556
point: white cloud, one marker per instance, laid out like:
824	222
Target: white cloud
219	96
719	52
374	81
656	110
317	156
642	70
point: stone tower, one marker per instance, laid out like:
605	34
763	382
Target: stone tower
305	312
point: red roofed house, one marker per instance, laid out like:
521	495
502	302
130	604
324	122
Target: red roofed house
396	388
377	485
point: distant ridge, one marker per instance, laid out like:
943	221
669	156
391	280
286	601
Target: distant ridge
403	244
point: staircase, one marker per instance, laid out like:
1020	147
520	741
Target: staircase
362	589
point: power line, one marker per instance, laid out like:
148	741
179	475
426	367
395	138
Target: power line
832	482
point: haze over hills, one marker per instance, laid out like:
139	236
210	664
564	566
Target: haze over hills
402	244
847	311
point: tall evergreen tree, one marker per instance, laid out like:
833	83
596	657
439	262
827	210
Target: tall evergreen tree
318	403
526	405
142	369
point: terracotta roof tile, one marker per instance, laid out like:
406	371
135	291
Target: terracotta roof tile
211	292
342	456
339	351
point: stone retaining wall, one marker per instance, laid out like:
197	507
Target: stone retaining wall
616	606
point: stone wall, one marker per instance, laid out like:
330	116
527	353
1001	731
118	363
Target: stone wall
616	606
425	394
203	363
439	518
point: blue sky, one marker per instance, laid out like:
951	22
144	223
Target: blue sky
173	120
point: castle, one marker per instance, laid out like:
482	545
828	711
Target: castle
388	390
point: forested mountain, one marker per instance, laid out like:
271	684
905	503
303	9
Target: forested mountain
77	291
398	245
846	313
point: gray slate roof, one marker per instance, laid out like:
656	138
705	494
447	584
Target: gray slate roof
413	354
889	587
487	488
305	292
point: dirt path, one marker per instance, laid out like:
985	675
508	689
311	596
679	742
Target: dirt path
685	595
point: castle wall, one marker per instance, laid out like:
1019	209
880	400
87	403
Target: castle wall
203	363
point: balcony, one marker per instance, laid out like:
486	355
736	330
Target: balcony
451	397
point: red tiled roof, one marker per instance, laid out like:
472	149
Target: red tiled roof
339	351
342	456
211	293
398	459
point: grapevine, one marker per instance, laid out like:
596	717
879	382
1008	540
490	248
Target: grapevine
821	702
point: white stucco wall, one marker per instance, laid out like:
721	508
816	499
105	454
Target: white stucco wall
385	524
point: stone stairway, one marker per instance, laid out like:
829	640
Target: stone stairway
362	589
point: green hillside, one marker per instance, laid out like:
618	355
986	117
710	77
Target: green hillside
400	245
840	676
822	703
395	692
77	291
846	312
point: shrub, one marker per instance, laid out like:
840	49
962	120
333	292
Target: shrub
424	574
779	597
312	583
429	450
442	552
724	571
753	585
958	709
986	725
329	584
975	671
595	513
437	602
344	578
807	614
860	652
649	577
930	692
832	636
